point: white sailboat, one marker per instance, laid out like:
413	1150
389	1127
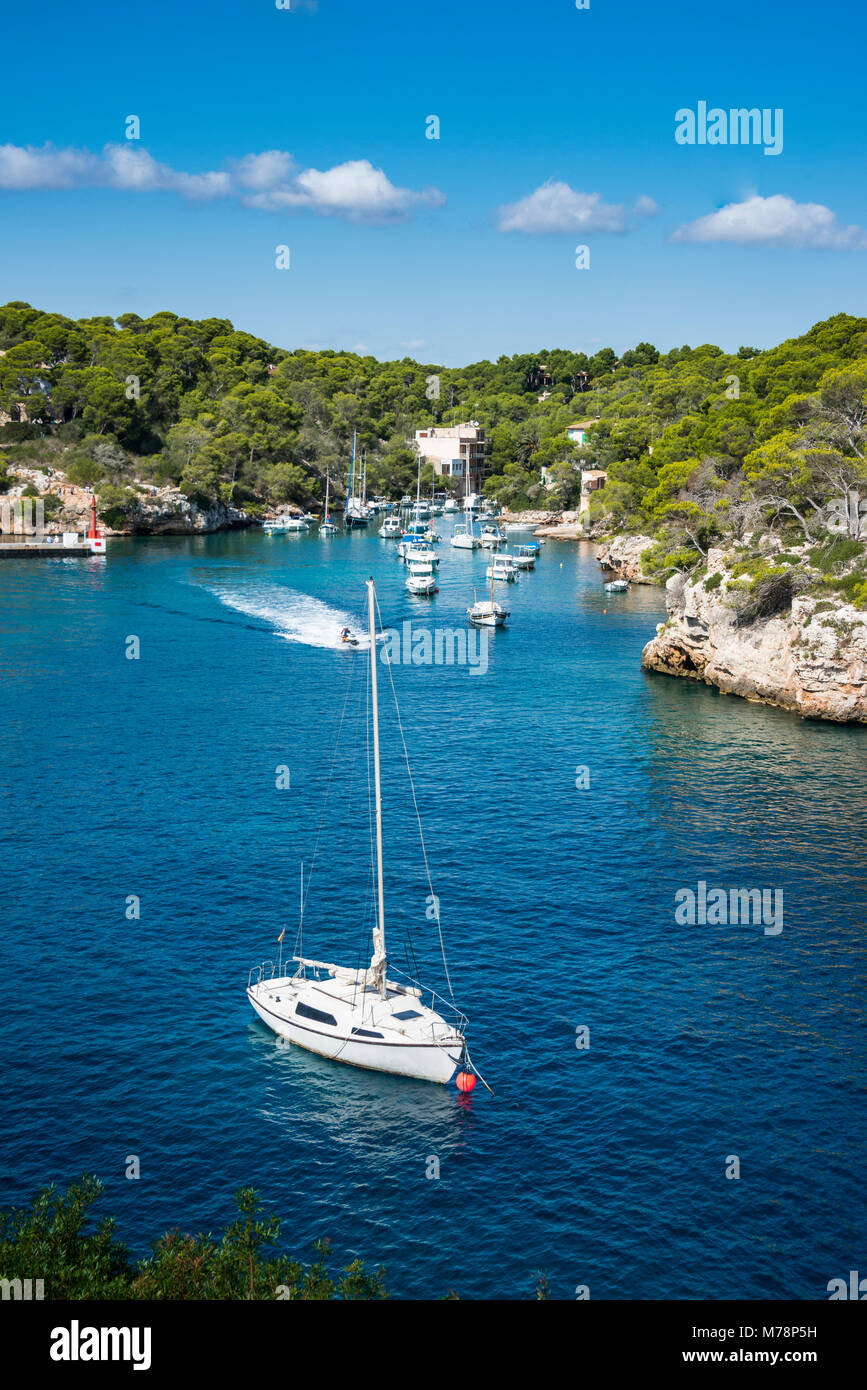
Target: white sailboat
361	1016
463	537
487	613
356	513
327	527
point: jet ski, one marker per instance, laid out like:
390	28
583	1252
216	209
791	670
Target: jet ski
347	637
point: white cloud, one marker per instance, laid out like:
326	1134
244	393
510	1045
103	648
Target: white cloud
355	190
555	207
124	167
24	167
270	180
261	171
645	207
774	221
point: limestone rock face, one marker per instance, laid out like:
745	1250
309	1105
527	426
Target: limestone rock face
623	554
167	511
812	659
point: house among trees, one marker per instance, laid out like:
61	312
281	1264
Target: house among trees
577	431
455	451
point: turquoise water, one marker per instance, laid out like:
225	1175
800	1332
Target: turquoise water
156	778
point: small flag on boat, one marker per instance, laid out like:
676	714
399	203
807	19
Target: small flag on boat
282	934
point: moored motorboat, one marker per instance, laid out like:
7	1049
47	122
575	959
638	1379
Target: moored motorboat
502	567
491	536
422	577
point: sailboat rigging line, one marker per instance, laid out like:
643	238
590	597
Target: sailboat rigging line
349	685
370	828
475	1068
413	969
418	818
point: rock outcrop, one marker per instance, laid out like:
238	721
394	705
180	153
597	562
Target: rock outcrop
167	511
811	659
623	556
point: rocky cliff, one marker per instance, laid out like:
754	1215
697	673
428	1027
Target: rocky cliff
812	658
168	511
623	556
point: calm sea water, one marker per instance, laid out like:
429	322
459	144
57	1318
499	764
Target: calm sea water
156	778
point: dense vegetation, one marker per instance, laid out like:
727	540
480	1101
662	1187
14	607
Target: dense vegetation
701	447
58	1241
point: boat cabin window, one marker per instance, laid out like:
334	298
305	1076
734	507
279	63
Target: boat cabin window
407	1013
366	1033
305	1011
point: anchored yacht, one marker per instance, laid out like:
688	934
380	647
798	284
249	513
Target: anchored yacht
363	1016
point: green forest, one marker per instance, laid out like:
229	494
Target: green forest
700	445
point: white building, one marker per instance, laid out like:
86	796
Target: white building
455	450
577	431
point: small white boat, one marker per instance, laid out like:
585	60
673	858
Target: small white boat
487	613
450	505
519	526
463	538
391	529
422	577
491	536
502	567
409	550
616	586
525	557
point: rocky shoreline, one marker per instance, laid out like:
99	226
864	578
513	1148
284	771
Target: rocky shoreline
158	511
811	660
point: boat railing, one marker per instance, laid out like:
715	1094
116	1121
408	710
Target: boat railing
258	973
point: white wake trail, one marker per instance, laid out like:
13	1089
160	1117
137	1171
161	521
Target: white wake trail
295	617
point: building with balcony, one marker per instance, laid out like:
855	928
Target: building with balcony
455	451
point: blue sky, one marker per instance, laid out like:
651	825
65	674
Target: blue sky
414	260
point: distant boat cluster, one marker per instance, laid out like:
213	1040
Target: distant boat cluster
409	523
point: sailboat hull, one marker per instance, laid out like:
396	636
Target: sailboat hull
274	1000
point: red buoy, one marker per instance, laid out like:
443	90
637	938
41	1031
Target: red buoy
465	1080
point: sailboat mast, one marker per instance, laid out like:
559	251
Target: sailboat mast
378	962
